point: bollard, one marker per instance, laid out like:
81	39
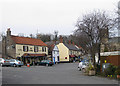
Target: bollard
28	65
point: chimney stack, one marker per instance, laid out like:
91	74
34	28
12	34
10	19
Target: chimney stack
69	41
8	32
61	39
73	43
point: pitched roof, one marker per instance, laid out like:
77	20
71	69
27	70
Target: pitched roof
27	40
51	44
71	46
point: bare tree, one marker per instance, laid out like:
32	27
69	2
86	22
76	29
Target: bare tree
32	36
94	27
44	37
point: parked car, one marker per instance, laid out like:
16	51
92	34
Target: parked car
16	63
2	61
83	65
6	63
45	62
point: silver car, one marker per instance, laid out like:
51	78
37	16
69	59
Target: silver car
16	63
6	63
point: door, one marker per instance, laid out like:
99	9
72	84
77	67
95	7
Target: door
58	58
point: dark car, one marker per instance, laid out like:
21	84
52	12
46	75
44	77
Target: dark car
45	62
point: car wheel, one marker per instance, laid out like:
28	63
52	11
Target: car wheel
14	65
46	64
19	65
79	69
1	64
83	70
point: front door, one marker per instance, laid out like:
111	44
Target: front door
58	58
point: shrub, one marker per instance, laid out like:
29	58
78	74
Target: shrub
110	70
117	72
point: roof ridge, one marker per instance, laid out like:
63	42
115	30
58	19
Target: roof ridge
24	37
27	40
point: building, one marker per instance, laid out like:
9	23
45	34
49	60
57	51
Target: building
55	54
64	52
26	49
114	44
110	57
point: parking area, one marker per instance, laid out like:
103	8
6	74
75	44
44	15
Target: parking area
63	73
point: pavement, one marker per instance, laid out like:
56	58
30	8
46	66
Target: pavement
63	73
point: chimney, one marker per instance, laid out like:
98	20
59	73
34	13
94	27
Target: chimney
73	43
69	41
61	39
8	32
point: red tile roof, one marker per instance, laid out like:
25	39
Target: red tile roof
27	40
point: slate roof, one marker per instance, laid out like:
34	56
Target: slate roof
51	44
27	40
71	46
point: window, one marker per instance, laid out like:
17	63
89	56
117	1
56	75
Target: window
43	49
12	60
25	48
35	48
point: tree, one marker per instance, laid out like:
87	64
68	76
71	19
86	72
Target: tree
32	36
93	28
44	37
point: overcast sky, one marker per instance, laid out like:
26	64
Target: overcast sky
28	16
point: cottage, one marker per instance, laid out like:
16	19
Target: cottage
26	49
64	52
55	54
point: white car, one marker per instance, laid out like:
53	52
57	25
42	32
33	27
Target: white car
2	61
82	66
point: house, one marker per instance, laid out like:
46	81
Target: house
64	52
50	46
55	54
114	44
26	49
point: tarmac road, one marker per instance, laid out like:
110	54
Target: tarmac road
63	73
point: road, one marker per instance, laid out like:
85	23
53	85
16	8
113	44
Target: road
63	73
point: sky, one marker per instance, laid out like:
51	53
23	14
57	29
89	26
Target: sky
46	16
